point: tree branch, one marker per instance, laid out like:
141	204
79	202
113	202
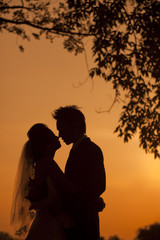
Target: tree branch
22	3
52	30
15	7
113	103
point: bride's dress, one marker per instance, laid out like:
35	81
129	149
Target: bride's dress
48	225
45	227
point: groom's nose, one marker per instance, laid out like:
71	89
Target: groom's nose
59	135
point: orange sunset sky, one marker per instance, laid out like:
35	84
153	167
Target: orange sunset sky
32	85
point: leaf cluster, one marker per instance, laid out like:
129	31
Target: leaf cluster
149	232
126	52
125	37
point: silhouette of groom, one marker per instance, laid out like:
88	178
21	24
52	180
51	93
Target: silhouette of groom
86	173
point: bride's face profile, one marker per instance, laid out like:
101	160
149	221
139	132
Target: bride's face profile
53	145
43	140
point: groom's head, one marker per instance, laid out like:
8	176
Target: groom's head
70	123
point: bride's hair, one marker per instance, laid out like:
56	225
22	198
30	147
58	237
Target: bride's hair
39	135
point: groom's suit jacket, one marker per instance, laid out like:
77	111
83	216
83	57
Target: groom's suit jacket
85	168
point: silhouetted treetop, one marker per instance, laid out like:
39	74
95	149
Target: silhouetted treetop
125	36
115	237
151	232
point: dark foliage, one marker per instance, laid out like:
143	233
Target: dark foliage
151	232
114	238
125	37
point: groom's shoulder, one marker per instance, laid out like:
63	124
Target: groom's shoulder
90	145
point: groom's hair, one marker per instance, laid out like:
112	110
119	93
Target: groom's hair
71	114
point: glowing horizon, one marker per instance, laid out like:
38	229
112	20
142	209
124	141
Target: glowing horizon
41	79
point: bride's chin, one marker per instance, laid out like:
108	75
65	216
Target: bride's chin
59	146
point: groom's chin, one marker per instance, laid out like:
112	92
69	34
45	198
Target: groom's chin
59	146
67	142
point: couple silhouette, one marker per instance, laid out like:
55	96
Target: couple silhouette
49	204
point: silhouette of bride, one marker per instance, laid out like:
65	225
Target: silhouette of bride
34	190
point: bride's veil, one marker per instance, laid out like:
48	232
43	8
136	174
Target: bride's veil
21	216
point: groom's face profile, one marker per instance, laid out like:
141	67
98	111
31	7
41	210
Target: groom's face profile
65	132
